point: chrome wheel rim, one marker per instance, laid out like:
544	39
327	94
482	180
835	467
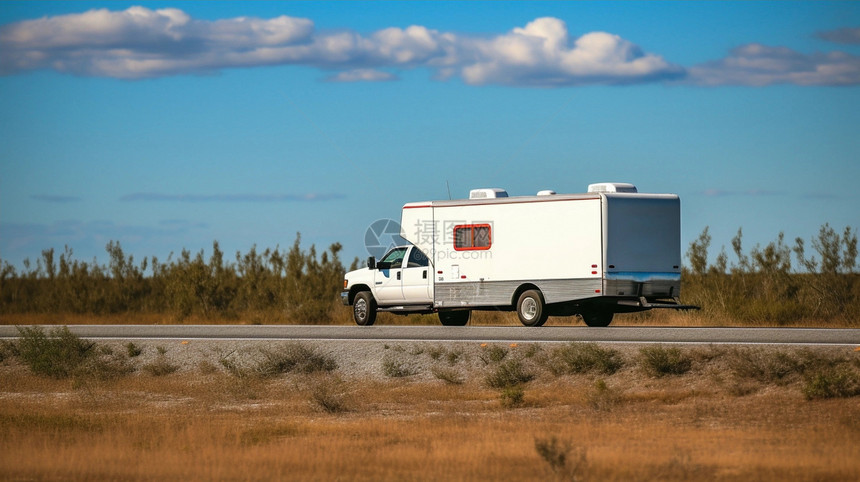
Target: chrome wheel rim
529	308
361	309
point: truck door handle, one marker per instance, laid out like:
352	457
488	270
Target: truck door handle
425	274
398	275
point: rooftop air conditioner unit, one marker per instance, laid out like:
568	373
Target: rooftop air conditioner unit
612	187
487	193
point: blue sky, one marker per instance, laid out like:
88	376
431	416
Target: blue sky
167	125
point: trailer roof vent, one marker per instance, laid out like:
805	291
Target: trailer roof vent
487	193
546	192
612	187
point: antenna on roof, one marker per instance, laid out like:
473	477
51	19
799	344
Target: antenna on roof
449	189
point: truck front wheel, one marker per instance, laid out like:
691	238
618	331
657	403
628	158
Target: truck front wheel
364	309
531	308
455	318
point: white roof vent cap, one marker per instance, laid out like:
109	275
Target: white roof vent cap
487	193
546	192
612	187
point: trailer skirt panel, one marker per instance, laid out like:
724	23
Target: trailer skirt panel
500	293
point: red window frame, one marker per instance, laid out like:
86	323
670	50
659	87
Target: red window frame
471	228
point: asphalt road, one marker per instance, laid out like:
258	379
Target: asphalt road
696	335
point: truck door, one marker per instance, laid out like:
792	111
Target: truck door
388	277
416	278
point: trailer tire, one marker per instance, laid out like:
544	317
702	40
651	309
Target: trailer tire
455	318
364	309
597	318
531	308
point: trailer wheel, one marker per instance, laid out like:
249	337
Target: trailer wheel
455	318
364	309
597	318
531	308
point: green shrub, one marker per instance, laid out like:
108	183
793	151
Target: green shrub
62	354
435	352
759	286
763	287
104	365
447	375
832	383
509	374
532	350
601	397
512	397
553	452
132	350
297	282
206	367
7	349
558	456
658	361
764	366
160	366
56	354
329	396
577	358
453	357
493	354
394	368
293	357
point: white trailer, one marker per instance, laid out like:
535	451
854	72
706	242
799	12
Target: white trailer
610	250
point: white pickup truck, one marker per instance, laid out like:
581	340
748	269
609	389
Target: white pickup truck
610	250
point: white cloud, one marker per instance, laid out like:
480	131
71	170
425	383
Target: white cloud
842	36
541	54
362	75
752	192
230	198
759	65
139	43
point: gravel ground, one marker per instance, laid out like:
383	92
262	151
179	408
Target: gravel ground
420	361
375	359
354	359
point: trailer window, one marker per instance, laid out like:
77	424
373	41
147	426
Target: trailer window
472	237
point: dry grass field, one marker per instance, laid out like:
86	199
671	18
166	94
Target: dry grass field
437	411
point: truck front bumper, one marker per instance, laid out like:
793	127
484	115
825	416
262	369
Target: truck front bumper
344	297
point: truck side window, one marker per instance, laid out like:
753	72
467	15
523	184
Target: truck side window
472	237
395	257
417	259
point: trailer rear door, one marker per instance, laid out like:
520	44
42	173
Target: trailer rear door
642	235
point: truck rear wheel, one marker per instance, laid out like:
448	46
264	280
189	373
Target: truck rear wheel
597	318
455	318
364	309
531	308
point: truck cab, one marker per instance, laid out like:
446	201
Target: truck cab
399	282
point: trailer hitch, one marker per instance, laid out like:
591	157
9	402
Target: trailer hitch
642	302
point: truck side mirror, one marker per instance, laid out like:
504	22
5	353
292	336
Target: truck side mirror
371	262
